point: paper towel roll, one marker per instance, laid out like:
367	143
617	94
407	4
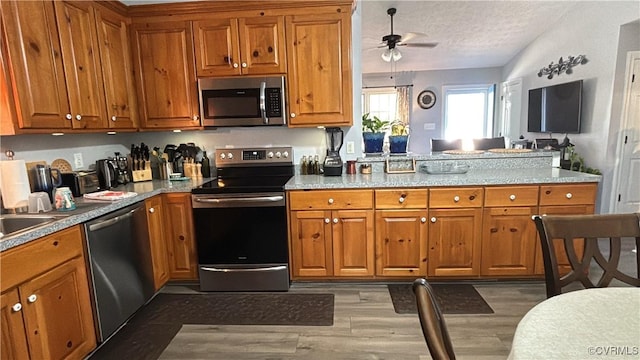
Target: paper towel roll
14	184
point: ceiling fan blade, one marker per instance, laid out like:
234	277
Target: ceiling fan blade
412	35
422	45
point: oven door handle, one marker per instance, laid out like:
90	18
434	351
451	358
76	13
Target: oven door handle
275	198
263	105
272	268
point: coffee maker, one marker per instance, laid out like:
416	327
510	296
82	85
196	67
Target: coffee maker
332	162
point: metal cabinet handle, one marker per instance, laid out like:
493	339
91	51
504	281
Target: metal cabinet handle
335	220
456	198
327	220
569	195
433	219
512	197
423	220
196	117
293	115
330	201
244	65
78	117
113	118
68	116
152	210
16	307
235	65
32	298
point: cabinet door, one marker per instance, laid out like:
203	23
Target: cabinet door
183	262
117	73
156	222
401	242
14	339
262	45
508	241
57	313
561	255
165	70
8	118
454	242
311	249
82	68
319	69
353	243
36	62
217	47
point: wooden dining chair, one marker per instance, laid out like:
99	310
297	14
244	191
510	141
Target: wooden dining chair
434	328
614	227
442	145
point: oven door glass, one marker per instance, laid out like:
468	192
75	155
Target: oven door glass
241	235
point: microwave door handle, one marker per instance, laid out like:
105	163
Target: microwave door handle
263	107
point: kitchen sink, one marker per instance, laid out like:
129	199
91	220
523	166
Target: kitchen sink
11	224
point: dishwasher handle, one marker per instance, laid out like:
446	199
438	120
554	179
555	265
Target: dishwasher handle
109	222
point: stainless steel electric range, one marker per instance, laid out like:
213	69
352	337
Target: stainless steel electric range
241	221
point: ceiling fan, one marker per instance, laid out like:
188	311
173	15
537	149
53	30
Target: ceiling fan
392	40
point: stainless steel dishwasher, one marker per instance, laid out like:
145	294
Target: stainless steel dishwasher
121	268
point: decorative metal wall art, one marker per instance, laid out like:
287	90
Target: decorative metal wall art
562	66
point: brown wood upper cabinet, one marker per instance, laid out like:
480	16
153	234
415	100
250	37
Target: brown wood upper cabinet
319	69
244	46
74	72
36	63
165	74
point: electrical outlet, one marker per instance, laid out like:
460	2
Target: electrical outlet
351	147
78	161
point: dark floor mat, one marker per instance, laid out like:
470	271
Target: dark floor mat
151	330
452	298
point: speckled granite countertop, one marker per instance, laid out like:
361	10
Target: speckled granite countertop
87	210
475	177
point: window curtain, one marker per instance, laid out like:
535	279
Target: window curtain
403	103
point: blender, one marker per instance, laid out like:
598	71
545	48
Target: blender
333	162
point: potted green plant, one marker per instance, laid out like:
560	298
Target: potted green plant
399	137
373	133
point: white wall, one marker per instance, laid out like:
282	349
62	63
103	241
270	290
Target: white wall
431	80
591	28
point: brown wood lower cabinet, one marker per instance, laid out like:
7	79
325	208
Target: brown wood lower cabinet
508	241
454	242
156	220
183	261
46	306
332	243
401	242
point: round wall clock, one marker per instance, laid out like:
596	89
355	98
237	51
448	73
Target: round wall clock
426	99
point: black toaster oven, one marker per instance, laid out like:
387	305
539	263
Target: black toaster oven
81	182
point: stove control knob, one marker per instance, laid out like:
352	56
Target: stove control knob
270	154
285	154
278	154
223	156
230	156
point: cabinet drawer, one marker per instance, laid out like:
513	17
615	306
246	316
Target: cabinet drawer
328	200
26	261
456	197
401	199
570	194
511	196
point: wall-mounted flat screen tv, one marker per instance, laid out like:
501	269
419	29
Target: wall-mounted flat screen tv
556	108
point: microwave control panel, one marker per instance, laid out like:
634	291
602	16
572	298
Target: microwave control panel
274	100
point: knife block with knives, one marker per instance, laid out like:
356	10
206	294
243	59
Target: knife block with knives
140	163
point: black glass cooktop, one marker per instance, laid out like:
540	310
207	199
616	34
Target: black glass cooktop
247	179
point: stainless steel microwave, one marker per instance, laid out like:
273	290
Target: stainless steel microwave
242	101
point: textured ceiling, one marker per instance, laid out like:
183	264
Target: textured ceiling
470	34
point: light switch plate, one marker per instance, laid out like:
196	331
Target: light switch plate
78	162
429	126
351	147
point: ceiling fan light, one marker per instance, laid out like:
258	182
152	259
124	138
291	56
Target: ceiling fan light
391	54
